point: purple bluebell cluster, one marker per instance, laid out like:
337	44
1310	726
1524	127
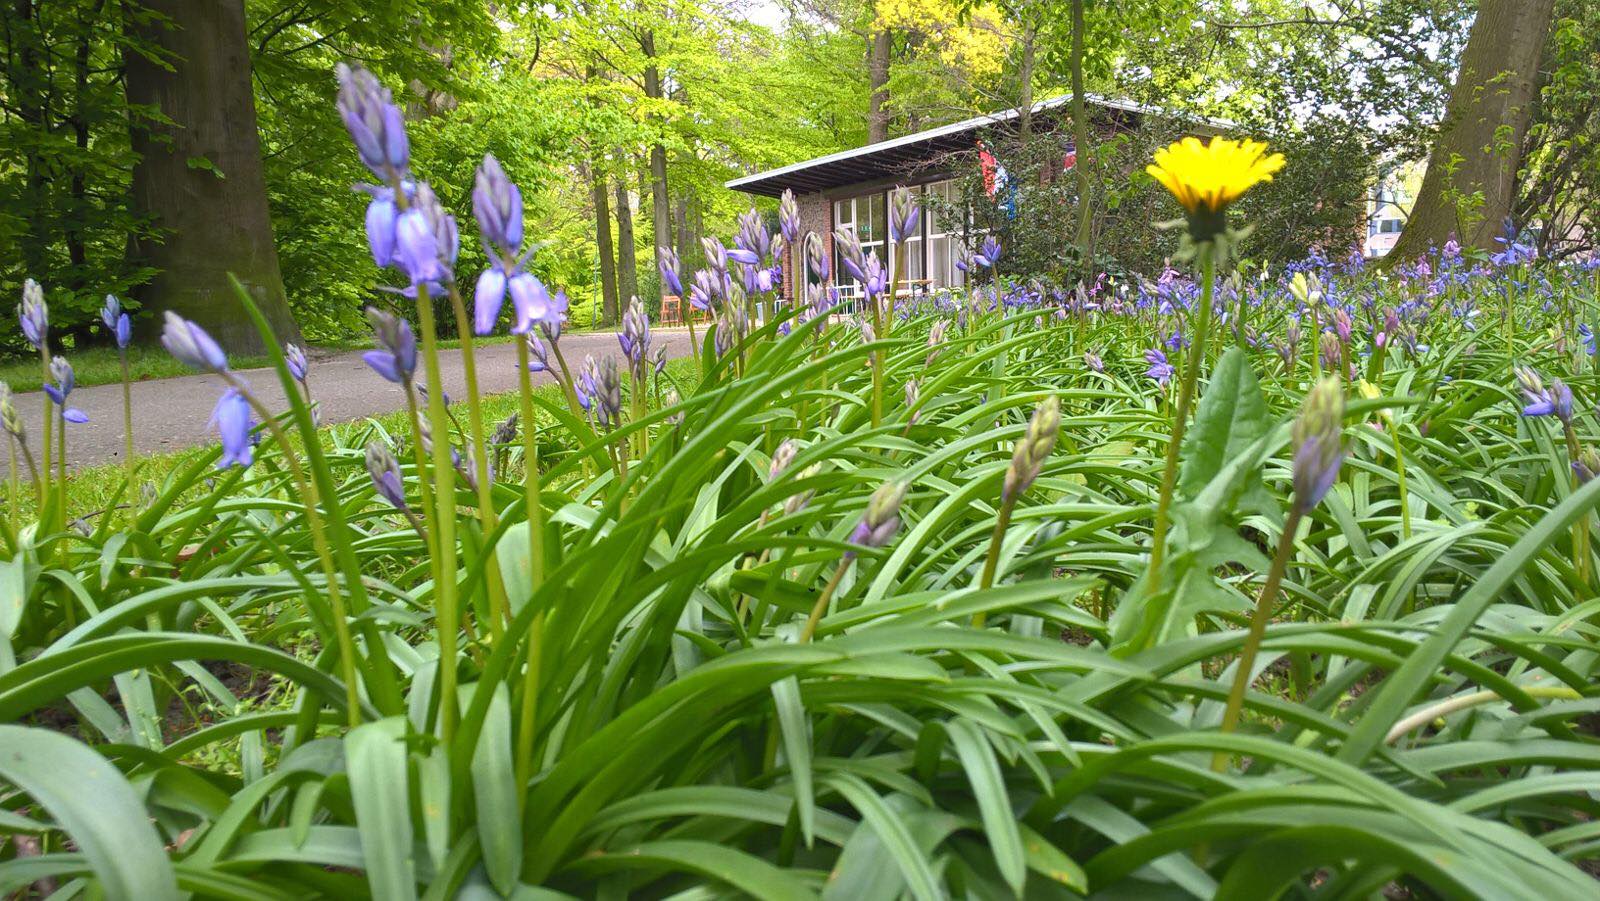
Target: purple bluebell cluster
65	381
117	323
34	315
395	357
1159	368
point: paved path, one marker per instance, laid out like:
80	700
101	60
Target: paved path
173	414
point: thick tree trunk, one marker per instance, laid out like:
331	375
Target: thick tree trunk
660	200
627	258
602	239
1025	79
1082	167
1479	148
878	76
201	179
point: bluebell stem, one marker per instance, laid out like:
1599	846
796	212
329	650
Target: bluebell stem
232	418
190	344
396	356
667	263
34	314
788	217
61	371
904	215
497	205
1318	446
374	121
385	472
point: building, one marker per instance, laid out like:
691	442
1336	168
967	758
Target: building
1393	194
850	189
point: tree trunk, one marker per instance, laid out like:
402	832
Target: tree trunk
602	239
30	81
1081	140
660	200
627	259
201	179
1025	78
1471	180
878	75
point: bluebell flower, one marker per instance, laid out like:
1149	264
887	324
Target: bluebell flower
488	296
295	358
395	358
1318	448
788	216
385	472
1160	369
232	419
65	381
116	321
190	344
534	305
497	205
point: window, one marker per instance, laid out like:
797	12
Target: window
1389	226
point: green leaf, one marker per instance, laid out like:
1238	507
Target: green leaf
375	755
95	806
494	788
1232	416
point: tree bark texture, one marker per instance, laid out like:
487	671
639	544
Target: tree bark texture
660	200
627	258
201	180
1478	151
1081	140
878	77
602	239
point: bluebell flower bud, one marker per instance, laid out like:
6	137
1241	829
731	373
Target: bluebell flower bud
374	122
788	216
904	216
635	337
109	311
608	394
848	248
190	344
716	254
667	262
497	205
1319	449
989	255
816	255
1033	448
1093	361
703	290
296	360
882	519
33	314
385	472
9	419
781	458
539	357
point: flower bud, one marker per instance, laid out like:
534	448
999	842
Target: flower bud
34	314
190	344
781	458
1033	448
788	216
385	472
882	519
497	205
1318	448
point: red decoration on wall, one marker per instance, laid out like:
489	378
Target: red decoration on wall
987	164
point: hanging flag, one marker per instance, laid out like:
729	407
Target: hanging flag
988	166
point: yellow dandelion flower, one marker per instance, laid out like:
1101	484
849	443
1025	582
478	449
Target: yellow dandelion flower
1206	178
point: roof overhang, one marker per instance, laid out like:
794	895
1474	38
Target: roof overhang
905	156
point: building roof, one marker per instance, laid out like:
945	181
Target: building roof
898	155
